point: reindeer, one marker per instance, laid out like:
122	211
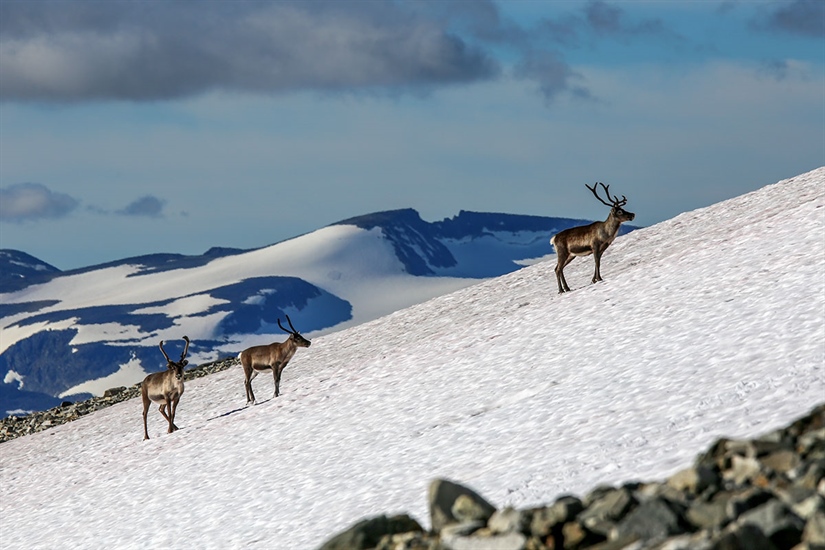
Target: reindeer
164	388
590	239
273	357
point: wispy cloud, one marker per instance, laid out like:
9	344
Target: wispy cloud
552	75
801	17
33	201
147	206
597	20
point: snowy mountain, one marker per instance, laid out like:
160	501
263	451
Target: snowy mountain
706	325
66	335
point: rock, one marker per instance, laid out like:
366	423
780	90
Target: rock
111	392
777	522
550	519
409	541
781	461
747	500
742	469
510	520
443	498
809	507
812	476
629	542
743	537
811	441
705	515
650	521
508	541
694	480
367	534
612	505
814	533
467	508
574	535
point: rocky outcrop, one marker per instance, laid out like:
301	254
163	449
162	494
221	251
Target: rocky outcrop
18	426
762	494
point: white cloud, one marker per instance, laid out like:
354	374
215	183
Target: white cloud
32	201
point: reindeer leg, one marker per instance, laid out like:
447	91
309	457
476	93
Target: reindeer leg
250	376
563	261
146	403
276	377
597	255
563	258
563	280
168	418
172	410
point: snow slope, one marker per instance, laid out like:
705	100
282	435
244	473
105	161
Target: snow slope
64	334
706	325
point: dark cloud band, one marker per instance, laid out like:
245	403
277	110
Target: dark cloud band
79	51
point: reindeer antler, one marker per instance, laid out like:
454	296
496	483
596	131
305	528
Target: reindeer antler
614	200
185	351
288	320
164	352
182	355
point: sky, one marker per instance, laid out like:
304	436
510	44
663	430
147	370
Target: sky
129	128
474	386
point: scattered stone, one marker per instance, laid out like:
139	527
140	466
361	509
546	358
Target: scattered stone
764	494
111	392
369	533
510	520
651	521
448	499
694	480
814	533
509	541
551	519
705	515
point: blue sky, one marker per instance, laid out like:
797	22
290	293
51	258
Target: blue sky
129	128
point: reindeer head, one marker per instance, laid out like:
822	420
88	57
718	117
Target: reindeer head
299	340
179	365
615	203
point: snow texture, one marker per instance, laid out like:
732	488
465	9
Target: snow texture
710	324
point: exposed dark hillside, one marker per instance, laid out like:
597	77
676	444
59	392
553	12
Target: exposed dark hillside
18	270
